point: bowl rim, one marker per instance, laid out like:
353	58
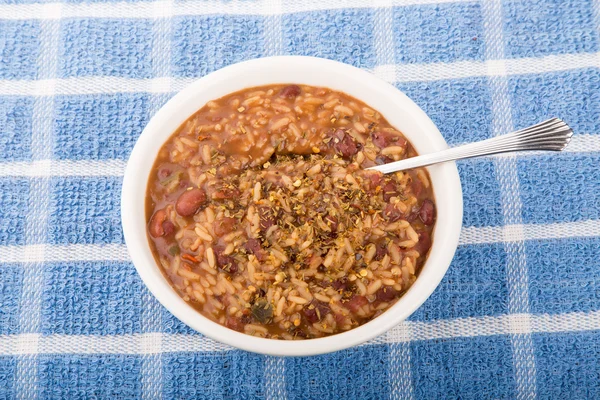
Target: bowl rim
395	106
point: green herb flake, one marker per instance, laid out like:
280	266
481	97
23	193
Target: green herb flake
174	250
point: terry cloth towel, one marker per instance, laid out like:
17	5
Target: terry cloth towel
517	315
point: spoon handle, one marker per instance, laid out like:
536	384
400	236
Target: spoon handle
552	135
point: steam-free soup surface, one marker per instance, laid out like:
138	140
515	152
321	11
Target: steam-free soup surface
263	218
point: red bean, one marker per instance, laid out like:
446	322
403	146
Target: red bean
316	311
298	333
355	303
267	219
427	212
341	284
412	215
390	190
226	193
424	243
380	139
224	225
168	228
343	143
376	178
225	262
290	92
392	213
380	160
380	251
156	223
234	323
385	139
417	187
332	222
373	180
253	246
386	293
190	201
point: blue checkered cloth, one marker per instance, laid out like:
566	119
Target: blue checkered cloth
518	313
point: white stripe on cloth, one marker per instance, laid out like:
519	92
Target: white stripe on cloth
383	38
273	33
36	222
91	168
145	10
512	324
63	253
152	344
390	72
406	332
274	373
469	236
490	67
515	233
151	350
151	317
274	367
48	168
399	369
506	173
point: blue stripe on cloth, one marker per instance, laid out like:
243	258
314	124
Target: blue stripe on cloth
99	127
551	27
71	1
106	299
14	207
481	193
101	376
438	33
202	44
357	373
19	49
463	368
457	107
85	211
567	365
91	298
11	287
113	47
106	1
16	116
475	285
342	35
213	375
570	95
171	324
560	188
564	275
8	367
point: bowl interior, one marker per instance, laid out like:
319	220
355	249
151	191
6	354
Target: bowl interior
400	112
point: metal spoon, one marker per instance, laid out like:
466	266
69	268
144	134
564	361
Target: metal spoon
552	135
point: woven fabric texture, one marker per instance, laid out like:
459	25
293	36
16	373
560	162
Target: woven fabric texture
517	315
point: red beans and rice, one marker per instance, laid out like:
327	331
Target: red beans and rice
262	216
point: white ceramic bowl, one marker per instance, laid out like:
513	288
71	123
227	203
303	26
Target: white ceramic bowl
398	109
